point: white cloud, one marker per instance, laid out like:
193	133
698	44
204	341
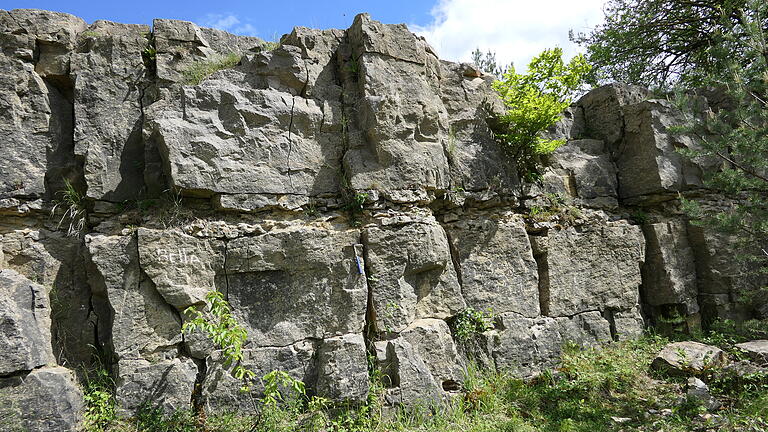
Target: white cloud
228	22
516	30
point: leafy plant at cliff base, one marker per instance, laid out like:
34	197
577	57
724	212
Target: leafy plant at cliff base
100	405
534	102
470	322
224	330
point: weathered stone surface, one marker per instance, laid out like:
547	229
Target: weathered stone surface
180	44
342	372
589	268
143	324
47	399
221	391
297	283
410	377
233	139
48	36
183	268
649	161
719	277
669	273
54	261
476	162
25	321
496	264
432	341
401	119
757	350
604	111
588	172
527	345
35	121
412	274
110	81
165	384
681	358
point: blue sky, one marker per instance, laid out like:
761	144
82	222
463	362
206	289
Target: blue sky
515	29
258	18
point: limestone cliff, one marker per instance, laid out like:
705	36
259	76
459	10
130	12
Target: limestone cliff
343	190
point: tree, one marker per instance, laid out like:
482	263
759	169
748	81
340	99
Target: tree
534	102
720	47
487	63
658	43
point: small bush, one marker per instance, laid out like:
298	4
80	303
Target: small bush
535	102
469	323
196	72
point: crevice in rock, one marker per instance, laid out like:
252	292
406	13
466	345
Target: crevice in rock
62	164
608	315
370	332
542	265
455	258
226	271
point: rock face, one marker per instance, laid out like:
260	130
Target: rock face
345	194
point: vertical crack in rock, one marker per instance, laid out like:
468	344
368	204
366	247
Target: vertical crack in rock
302	94
455	259
62	163
370	331
542	265
608	315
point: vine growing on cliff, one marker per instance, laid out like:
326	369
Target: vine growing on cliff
534	102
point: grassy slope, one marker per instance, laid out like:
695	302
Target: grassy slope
592	386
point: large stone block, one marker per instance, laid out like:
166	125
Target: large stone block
342	369
669	273
166	385
412	274
143	325
183	268
296	283
495	263
222	392
589	268
25	321
399	112
110	82
46	399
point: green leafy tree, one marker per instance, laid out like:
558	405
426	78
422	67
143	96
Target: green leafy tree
534	102
658	43
719	46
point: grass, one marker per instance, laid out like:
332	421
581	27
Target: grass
74	207
595	389
195	73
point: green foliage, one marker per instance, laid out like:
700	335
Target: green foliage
534	102
100	405
149	53
555	208
223	329
73	204
487	63
196	72
658	43
469	323
270	45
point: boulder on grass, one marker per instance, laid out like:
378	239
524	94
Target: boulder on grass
689	358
